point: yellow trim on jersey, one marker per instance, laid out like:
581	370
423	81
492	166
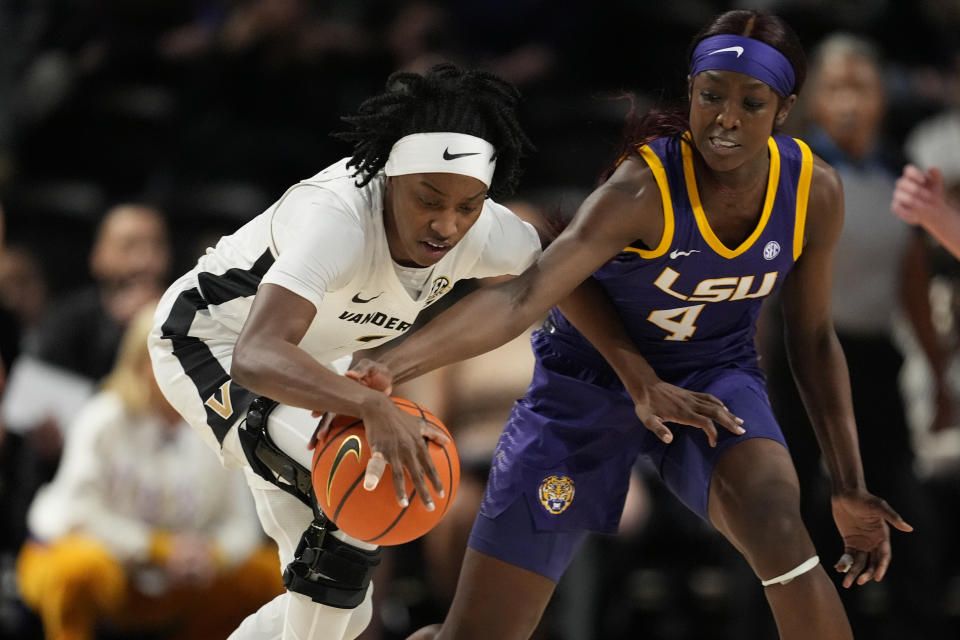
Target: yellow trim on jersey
704	225
668	224
803	196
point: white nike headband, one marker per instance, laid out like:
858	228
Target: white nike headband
442	152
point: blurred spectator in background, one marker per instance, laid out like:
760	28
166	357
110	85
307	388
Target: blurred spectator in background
23	290
10	329
933	188
129	262
208	106
12	445
141	527
880	270
73	348
81	331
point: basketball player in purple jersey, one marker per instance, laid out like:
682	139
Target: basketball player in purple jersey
705	216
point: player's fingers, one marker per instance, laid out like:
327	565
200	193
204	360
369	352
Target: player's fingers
905	188
935	178
892	516
400	484
322	428
913	173
703	423
859	562
419	473
371	374
912	182
722	416
707	398
655	424
375	467
431	432
902	199
441	438
844	563
711	430
881	563
873	559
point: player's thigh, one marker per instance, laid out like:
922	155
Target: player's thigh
755	500
495	599
283	517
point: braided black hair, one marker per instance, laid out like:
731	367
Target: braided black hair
445	98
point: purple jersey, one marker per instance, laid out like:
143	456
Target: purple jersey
563	462
692	302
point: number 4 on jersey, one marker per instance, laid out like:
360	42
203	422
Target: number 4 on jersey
680	329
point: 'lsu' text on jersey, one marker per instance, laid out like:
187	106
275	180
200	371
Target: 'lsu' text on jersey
691	289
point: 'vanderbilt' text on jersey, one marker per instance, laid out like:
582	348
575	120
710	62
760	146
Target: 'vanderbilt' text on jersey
325	241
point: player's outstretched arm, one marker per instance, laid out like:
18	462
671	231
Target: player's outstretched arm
820	370
268	361
589	308
608	220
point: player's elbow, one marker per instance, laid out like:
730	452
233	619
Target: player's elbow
244	367
519	300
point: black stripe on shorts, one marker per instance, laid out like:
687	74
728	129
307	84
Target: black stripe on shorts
196	358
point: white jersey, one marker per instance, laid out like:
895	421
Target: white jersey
325	241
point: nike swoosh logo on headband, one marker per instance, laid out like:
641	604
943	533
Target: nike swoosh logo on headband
736	50
453	156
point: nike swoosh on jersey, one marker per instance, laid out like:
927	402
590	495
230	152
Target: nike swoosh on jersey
356	298
736	50
676	253
453	156
348	446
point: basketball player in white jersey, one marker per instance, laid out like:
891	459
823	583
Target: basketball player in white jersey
343	261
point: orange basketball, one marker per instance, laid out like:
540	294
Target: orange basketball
339	464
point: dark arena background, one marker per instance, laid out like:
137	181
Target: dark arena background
207	110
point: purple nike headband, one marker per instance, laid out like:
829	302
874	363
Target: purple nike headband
744	55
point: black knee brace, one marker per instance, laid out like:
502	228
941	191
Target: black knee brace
330	571
324	568
268	460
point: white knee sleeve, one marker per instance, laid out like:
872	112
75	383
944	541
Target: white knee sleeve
793	573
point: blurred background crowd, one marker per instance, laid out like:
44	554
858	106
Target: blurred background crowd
134	133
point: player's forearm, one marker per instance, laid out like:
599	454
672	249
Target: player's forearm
286	373
945	227
484	320
590	310
820	370
915	297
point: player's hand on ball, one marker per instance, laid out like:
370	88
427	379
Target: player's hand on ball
862	520
367	372
326	417
664	402
371	373
397	440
